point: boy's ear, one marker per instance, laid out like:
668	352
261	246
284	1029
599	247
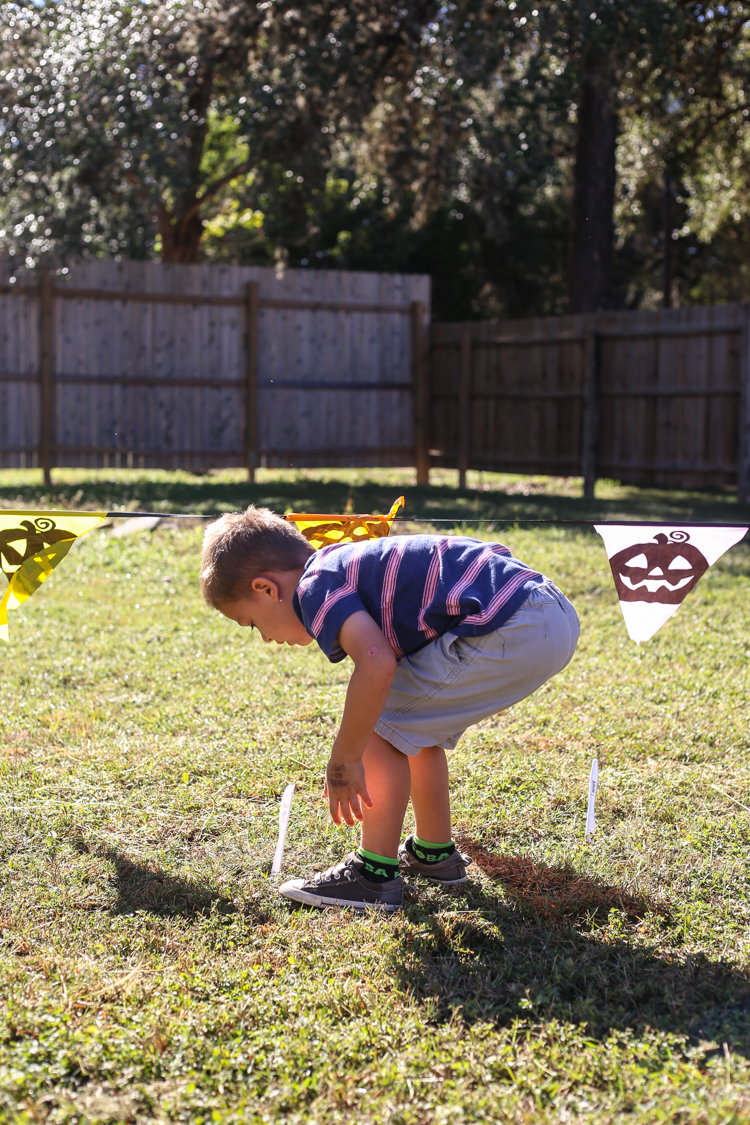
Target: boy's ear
265	588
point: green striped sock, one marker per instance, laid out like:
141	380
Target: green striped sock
378	868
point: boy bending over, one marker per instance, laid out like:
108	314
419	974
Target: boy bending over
443	631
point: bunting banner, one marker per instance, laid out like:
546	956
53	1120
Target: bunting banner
331	530
32	543
655	568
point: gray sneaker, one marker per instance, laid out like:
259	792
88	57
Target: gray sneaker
345	885
448	872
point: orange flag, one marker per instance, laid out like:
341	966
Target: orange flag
330	530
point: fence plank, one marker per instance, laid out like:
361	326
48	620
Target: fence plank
743	475
251	386
590	443
46	361
420	379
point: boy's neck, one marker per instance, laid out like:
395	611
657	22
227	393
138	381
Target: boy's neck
289	580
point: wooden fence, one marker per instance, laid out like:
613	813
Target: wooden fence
644	397
146	365
141	364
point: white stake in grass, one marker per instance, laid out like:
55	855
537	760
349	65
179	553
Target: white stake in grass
284	811
593	782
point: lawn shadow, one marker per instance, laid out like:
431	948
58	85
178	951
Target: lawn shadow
523	952
201	493
143	885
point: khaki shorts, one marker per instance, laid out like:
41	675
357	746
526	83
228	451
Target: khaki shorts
454	682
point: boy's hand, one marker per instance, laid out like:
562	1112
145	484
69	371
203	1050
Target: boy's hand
345	784
374	668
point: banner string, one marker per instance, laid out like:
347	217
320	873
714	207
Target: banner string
32	547
666	522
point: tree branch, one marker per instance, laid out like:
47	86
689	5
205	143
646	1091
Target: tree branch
212	189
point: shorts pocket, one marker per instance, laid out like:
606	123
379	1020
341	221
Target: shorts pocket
432	669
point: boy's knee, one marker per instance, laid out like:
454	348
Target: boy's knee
378	745
428	755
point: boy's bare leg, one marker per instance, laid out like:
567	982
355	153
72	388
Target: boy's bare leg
388	783
430	797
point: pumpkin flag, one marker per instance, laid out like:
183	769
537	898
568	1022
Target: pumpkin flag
655	568
331	530
32	543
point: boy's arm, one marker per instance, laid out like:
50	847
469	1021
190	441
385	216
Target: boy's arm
374	668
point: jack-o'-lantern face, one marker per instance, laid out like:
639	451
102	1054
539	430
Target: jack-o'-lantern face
20	543
665	570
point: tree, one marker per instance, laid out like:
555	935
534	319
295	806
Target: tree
500	146
526	127
123	123
566	79
666	52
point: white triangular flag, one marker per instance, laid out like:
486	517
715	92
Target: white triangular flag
284	811
655	568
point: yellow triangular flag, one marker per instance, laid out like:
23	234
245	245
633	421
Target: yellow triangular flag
331	530
32	543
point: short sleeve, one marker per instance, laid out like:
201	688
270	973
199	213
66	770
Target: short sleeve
323	601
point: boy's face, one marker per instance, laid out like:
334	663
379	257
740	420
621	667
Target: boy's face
267	607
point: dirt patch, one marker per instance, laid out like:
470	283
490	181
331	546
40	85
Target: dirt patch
557	893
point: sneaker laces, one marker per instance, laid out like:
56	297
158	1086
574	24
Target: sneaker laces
330	873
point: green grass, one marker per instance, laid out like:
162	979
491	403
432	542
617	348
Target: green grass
148	969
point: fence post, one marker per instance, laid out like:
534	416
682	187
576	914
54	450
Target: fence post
421	392
464	407
46	363
590	434
743	467
251	378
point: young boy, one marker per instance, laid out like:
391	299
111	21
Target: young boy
443	631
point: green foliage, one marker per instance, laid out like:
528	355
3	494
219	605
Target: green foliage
419	138
154	109
485	129
107	119
150	971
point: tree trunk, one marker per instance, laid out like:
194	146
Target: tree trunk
181	226
594	192
180	238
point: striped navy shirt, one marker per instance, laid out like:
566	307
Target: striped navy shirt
416	587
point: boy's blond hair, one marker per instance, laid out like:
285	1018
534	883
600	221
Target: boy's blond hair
241	545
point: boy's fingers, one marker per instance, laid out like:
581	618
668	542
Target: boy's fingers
351	809
347	808
366	797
